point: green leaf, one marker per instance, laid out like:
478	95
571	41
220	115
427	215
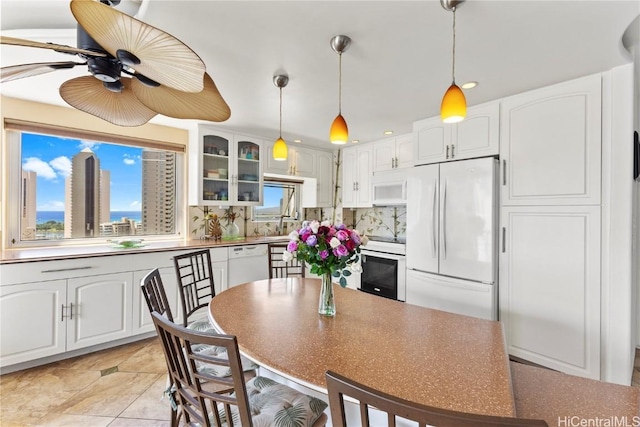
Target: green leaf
346	273
343	282
335	273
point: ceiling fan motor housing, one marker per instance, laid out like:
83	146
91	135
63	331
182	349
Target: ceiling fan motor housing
106	69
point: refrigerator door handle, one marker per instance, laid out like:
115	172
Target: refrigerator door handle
434	225
444	221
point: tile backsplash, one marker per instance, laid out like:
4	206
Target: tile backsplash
385	221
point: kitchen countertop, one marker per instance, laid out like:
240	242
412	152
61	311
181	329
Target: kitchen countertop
422	355
85	251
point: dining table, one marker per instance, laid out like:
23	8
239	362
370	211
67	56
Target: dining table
426	356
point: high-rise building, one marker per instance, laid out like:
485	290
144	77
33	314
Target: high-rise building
28	208
82	201
158	192
105	196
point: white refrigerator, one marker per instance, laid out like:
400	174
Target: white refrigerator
451	243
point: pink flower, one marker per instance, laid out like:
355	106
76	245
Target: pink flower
342	235
292	246
341	251
324	254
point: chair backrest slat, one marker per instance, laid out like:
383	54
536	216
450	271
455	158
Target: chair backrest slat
278	268
195	280
154	294
339	386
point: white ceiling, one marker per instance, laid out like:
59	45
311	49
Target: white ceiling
395	72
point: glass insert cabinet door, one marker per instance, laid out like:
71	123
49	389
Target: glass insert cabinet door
229	170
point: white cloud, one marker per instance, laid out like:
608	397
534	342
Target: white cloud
135	204
34	164
62	164
128	161
92	145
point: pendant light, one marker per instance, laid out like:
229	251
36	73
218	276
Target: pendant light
454	105
280	147
339	133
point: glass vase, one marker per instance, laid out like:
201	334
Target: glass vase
232	232
327	304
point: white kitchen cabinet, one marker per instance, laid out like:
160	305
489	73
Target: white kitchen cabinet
99	309
225	169
551	145
478	135
300	161
550	286
356	176
324	177
31	323
392	153
44	318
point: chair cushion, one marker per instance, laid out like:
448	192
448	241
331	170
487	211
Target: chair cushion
277	405
220	352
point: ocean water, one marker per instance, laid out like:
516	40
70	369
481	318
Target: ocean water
44	216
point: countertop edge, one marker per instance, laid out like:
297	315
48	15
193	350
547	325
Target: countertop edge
52	253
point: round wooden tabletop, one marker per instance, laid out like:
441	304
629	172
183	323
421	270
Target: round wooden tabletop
422	355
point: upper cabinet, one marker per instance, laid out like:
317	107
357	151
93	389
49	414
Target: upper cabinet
324	175
476	136
392	153
226	169
356	176
300	161
551	145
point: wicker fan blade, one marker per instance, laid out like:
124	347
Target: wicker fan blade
89	95
163	58
15	72
57	47
205	105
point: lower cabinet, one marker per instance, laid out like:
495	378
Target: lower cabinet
550	286
46	318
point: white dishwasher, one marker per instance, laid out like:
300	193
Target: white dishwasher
248	263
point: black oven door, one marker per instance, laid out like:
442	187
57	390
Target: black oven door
379	276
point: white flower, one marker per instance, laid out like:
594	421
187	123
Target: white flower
325	224
364	240
334	242
287	256
355	267
294	236
314	226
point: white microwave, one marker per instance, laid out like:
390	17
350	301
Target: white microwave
390	187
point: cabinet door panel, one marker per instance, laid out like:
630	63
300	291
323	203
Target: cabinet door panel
405	151
304	162
433	137
364	177
551	145
478	134
31	325
324	173
550	286
349	177
101	309
141	319
384	153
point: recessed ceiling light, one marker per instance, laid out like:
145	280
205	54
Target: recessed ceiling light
355	141
388	132
297	140
469	85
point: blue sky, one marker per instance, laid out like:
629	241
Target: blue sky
50	157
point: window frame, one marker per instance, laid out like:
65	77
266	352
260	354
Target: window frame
271	181
12	175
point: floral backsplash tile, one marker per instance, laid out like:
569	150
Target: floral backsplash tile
385	221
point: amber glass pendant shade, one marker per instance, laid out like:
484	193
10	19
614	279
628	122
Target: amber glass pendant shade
280	150
339	133
454	105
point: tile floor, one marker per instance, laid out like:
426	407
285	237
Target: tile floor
119	387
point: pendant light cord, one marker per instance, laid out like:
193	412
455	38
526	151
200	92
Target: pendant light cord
280	112
340	84
453	67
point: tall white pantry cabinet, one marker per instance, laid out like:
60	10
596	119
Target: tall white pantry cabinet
550	281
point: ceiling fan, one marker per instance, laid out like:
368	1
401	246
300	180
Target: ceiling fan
137	70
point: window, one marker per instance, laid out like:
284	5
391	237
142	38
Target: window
71	189
281	201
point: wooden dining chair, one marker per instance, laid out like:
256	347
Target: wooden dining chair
339	386
196	286
260	401
278	268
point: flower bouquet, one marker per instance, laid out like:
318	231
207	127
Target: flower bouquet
330	250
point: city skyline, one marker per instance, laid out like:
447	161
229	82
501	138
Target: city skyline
50	158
